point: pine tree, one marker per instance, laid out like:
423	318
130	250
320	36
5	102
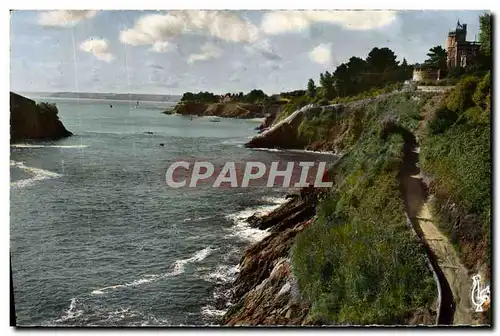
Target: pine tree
311	88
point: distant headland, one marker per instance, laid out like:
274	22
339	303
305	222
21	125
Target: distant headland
110	96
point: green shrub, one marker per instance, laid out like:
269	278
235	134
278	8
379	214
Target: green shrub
293	105
477	115
460	159
482	95
442	120
47	108
460	98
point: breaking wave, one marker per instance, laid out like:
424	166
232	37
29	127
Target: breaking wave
72	312
223	274
178	267
48	146
241	227
38	175
211	311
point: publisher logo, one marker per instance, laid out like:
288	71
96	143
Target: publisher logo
480	294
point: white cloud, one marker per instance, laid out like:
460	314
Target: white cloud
161	47
227	26
64	18
263	47
321	54
208	51
98	47
279	22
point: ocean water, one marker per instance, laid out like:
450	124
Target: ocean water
98	238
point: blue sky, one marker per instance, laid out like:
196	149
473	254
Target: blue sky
170	52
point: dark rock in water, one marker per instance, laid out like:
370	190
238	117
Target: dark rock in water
297	209
251	219
29	120
265	292
161	145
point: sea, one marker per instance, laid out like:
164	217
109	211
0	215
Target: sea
98	238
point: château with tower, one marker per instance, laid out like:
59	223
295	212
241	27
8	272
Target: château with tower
460	54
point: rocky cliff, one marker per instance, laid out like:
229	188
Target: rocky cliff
339	122
227	109
29	120
265	292
284	133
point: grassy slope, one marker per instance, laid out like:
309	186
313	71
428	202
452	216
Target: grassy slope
359	263
456	152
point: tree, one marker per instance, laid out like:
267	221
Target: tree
381	59
405	71
342	80
437	57
485	33
311	88
327	83
255	96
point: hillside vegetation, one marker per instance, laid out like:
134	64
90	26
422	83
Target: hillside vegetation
456	152
359	262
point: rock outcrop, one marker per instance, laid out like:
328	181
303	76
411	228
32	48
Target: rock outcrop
29	120
265	292
283	134
227	109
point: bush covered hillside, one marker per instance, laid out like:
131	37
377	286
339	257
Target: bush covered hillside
456	152
359	263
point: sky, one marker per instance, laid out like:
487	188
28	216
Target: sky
171	52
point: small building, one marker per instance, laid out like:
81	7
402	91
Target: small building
461	53
422	72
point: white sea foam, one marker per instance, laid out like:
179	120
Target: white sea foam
102	316
211	311
72	311
241	227
223	274
196	218
295	151
47	146
311	151
178	268
274	200
269	149
38	175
